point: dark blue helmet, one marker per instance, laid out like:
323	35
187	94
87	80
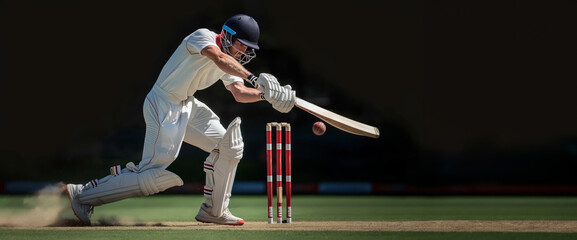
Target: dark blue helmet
244	28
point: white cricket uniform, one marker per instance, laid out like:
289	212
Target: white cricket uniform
171	112
173	115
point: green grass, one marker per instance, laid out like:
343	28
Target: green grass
317	208
357	208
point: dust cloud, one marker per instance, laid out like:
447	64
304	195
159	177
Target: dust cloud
45	208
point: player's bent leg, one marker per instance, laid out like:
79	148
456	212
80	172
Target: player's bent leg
220	168
127	184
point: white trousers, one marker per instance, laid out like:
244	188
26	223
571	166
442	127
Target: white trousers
170	122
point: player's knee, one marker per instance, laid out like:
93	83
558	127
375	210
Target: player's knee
157	180
233	153
231	146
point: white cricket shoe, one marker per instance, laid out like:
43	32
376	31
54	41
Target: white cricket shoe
227	218
82	211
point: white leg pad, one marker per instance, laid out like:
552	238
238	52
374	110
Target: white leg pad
220	168
129	184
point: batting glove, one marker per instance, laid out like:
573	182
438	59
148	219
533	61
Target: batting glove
286	100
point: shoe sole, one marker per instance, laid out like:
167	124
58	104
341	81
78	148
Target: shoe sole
241	222
70	198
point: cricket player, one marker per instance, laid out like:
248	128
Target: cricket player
173	115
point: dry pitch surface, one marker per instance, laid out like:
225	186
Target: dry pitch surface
390	226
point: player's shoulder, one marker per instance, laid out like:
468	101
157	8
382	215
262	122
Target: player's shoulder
203	32
200	39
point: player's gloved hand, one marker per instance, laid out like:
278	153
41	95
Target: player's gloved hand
286	101
270	86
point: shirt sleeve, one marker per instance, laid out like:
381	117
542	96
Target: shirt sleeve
228	79
200	39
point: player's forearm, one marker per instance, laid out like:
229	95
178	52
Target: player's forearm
243	94
229	65
248	99
250	95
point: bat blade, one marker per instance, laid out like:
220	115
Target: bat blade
338	121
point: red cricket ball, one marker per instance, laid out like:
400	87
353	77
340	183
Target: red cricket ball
319	128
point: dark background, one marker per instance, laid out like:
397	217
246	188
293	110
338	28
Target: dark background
464	92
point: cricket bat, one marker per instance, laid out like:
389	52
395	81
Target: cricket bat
338	121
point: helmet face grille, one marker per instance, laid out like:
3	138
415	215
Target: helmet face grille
227	39
248	55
